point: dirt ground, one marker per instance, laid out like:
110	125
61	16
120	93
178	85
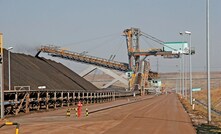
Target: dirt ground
156	115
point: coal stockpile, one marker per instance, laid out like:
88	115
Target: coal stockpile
30	71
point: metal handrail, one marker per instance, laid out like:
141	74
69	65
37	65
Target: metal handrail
12	123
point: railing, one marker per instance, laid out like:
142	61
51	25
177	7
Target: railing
205	106
11	123
17	101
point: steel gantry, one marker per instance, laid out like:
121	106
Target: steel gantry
139	67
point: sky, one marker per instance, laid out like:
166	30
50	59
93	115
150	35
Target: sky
96	27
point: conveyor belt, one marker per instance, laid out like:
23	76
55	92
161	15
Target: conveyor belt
57	52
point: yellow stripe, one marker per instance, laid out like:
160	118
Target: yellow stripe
9	123
16	131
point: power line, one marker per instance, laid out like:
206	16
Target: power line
91	39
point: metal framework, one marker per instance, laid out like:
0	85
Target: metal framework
58	52
21	101
116	77
139	66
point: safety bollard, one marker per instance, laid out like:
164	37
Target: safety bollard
16	130
68	114
76	112
12	123
193	105
87	113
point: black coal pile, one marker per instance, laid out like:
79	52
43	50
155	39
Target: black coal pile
30	71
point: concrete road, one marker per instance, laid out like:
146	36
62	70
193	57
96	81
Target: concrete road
158	115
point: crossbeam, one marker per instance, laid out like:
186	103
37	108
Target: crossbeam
106	71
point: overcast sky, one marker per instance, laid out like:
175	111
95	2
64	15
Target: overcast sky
96	26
